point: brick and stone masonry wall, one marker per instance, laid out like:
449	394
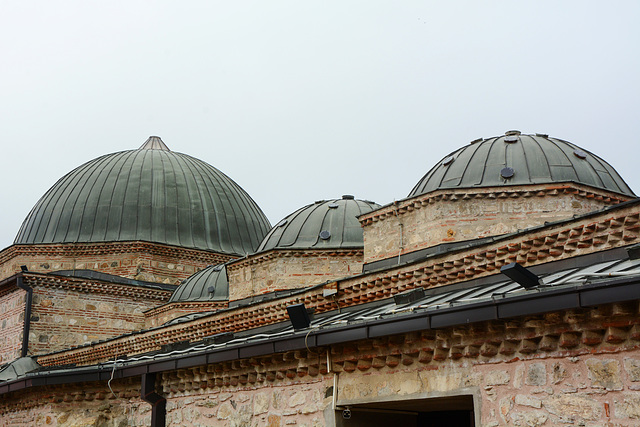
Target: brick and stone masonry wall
62	318
461	215
135	260
277	270
574	367
88	404
12	307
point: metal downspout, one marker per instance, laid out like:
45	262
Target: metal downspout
158	403
27	315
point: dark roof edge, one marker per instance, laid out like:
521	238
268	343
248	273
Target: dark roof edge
533	302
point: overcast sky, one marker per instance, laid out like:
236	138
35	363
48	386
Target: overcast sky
300	101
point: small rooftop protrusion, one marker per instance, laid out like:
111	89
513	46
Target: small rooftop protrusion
512	132
154	143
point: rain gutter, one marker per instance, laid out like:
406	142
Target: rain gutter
532	302
158	403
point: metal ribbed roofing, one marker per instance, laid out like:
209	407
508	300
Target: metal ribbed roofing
209	284
516	159
329	224
150	194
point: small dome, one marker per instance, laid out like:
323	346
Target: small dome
151	194
322	225
516	159
209	284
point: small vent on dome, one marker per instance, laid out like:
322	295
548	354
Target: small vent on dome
511	139
507	173
333	206
325	234
348	197
211	289
448	160
282	223
542	135
475	141
512	132
218	267
580	154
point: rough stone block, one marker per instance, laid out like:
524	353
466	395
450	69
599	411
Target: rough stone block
605	373
524	400
498	377
629	407
573	408
536	374
632	367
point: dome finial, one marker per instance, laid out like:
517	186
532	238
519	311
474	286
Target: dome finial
154	143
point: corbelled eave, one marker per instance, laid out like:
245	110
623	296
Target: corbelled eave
293	252
195	306
614	228
540	190
95	286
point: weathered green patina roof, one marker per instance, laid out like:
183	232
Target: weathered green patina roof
516	159
209	284
150	194
326	224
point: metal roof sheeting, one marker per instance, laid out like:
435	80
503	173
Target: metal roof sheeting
150	194
533	159
326	224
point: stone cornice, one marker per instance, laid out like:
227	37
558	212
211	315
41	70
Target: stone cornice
284	253
70	250
193	306
95	286
597	232
540	190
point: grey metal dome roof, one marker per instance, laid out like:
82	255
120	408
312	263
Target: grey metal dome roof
150	194
516	159
209	284
326	224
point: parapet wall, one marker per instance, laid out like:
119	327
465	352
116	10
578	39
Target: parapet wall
460	215
278	270
145	261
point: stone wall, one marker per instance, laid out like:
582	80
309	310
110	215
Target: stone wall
135	260
300	404
64	316
460	215
86	405
12	307
281	270
576	367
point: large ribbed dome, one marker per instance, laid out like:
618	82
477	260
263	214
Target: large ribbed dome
209	284
150	194
515	159
326	224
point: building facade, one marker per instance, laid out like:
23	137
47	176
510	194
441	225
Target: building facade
146	288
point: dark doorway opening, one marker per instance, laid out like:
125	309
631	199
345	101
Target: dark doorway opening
454	411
